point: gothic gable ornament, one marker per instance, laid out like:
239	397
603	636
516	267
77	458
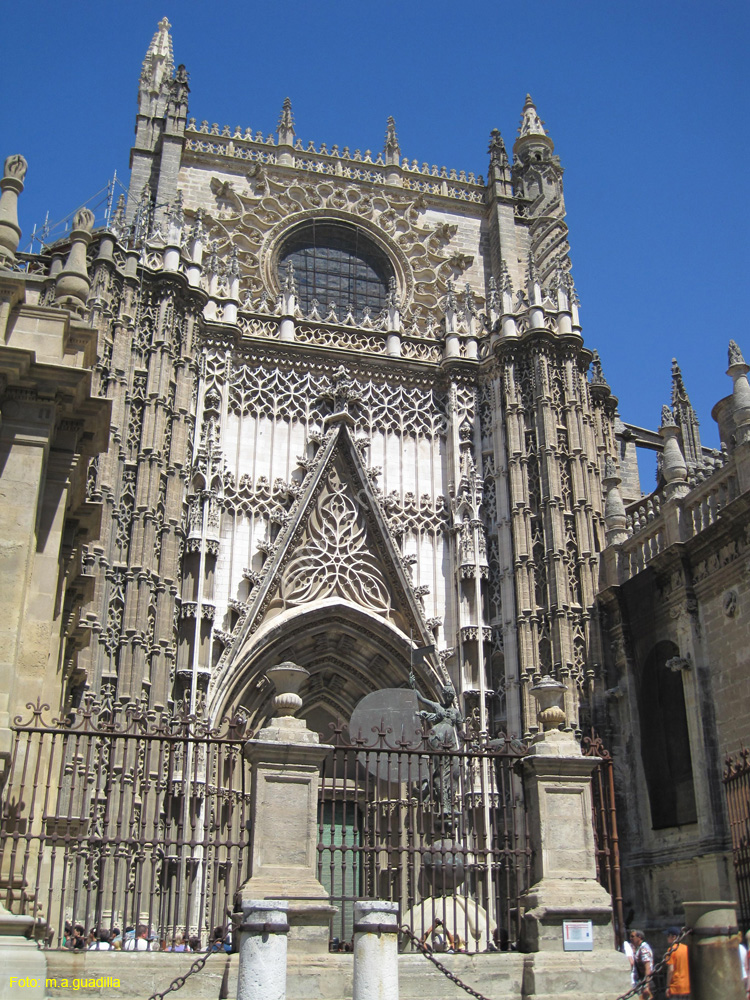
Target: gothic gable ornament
335	561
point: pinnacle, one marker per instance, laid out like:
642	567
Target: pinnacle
531	123
679	392
391	138
286	118
159	61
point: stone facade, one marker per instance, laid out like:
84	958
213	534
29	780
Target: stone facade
293	479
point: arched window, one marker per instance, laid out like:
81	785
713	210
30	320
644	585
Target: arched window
336	262
665	740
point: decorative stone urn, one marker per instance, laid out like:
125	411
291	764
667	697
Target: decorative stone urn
287	678
549	695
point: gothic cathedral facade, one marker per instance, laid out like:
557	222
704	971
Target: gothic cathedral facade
352	414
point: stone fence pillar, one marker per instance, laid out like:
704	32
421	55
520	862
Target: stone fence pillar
567	920
262	972
713	951
557	779
23	967
375	950
286	759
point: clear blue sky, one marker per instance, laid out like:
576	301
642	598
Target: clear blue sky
647	103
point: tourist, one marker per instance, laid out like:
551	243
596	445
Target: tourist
678	974
140	942
643	958
745	964
627	949
102	942
195	943
79	941
179	943
441	938
115	937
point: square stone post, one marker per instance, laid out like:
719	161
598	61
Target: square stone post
557	783
286	759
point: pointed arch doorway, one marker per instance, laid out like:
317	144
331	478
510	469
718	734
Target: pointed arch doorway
349	651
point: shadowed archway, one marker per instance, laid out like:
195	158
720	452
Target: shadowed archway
349	652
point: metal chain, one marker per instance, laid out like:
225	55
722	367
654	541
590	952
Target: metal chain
428	954
180	981
641	985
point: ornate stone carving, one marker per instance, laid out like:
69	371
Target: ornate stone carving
335	559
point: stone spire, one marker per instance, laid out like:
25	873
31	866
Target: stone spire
158	66
686	419
531	123
285	128
11	186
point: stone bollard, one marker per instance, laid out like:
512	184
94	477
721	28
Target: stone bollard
713	951
375	950
23	967
263	933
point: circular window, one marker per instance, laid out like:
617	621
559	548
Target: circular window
336	262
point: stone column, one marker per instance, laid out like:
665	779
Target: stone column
286	759
262	971
713	951
375	950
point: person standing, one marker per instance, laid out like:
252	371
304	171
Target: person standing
140	942
678	974
643	958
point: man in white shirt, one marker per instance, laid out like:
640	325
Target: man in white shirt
139	942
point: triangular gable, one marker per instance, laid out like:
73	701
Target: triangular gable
337	544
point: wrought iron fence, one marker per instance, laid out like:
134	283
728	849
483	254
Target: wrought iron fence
122	817
440	831
605	828
737	787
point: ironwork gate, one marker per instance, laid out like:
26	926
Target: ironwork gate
737	787
605	828
119	817
440	831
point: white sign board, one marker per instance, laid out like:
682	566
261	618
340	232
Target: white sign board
578	935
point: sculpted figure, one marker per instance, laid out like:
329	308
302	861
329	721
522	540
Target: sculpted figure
444	719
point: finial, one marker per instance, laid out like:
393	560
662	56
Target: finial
72	284
450	298
290	284
176	215
11	186
392	300
469	300
285	127
735	354
506	285
391	139
667	417
198	230
531	123
533	270
597	374
493	299
234	262
497	151
610	468
117	223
